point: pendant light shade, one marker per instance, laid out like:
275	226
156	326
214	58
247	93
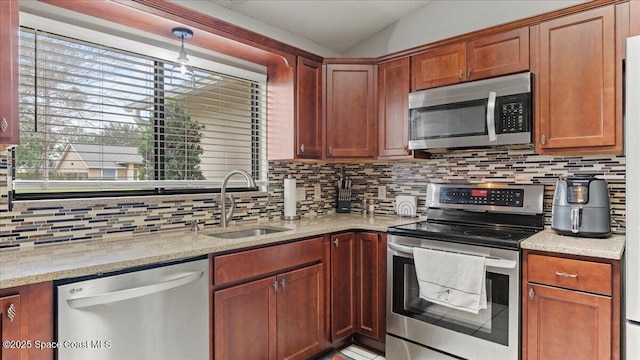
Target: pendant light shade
182	62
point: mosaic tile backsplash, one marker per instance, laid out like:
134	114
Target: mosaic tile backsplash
92	219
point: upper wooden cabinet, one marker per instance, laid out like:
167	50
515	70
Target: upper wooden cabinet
503	53
441	66
393	109
351	129
308	109
492	55
634	16
9	26
577	83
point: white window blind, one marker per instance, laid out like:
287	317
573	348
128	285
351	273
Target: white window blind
96	119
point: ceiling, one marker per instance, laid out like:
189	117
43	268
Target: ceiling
334	24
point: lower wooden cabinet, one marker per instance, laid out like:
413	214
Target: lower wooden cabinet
26	316
270	303
571	308
358	277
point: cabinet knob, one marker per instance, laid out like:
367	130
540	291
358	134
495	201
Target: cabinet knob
543	139
460	74
283	284
336	242
531	294
302	148
469	73
11	312
4	124
330	150
275	285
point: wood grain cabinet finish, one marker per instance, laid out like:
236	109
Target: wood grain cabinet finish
441	66
9	27
578	83
571	308
371	284
26	314
634	17
393	109
308	109
499	54
10	318
351	126
343	277
270	303
488	56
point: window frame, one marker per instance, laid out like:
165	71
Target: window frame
259	166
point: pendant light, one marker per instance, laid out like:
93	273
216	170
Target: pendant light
182	62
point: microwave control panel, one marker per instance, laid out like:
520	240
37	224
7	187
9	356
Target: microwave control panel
514	114
482	196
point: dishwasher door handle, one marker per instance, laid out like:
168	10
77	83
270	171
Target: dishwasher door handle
135	292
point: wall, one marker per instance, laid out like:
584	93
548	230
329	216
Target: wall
440	20
60	221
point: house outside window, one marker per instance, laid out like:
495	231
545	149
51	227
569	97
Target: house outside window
93	114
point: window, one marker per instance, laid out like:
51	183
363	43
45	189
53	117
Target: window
95	120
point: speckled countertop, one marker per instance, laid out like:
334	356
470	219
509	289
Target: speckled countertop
611	247
28	265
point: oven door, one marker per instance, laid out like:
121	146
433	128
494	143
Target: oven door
492	334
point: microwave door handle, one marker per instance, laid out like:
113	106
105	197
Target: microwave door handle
491	110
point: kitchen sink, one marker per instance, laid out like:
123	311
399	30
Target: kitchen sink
236	234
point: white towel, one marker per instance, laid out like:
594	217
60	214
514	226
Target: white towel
451	279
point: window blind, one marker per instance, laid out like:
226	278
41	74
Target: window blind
95	119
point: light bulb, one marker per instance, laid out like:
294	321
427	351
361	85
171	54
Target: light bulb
183	69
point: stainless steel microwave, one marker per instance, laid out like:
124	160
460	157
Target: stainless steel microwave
482	113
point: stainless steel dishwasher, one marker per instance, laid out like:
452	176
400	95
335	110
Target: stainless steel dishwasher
153	312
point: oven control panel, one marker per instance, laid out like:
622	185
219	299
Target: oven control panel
482	196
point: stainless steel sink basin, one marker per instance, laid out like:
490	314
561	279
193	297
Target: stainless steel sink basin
236	234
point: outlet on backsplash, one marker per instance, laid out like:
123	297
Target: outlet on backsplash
301	194
317	192
382	192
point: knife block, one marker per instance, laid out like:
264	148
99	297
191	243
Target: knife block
343	201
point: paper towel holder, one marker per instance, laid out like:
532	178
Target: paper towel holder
292	192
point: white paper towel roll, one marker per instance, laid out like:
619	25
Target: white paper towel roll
289	197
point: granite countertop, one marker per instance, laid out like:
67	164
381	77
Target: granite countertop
611	247
28	265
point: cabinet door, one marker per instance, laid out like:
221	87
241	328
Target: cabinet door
343	306
301	313
351	104
567	324
9	27
393	108
498	54
576	84
309	109
245	321
634	15
370	284
10	320
441	66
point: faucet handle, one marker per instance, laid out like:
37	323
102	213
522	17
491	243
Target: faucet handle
195	226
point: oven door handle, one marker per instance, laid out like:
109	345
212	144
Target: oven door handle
490	261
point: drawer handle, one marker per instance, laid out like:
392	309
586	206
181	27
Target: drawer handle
566	275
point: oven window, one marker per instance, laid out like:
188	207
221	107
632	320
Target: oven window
491	324
452	120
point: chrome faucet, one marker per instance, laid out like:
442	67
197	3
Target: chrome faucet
224	216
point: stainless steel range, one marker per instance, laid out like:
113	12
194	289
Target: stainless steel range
488	220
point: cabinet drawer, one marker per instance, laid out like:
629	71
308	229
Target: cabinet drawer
571	274
253	263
